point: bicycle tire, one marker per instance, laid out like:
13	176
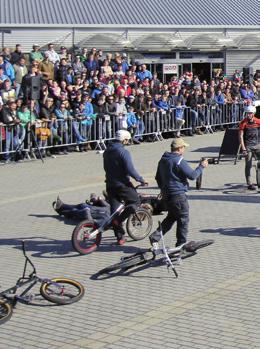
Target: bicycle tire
80	237
193	246
6	311
61	295
139	224
127	263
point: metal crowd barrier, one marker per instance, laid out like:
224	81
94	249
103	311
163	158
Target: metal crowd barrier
62	134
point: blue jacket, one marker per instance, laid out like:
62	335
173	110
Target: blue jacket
91	65
88	114
179	113
9	70
220	99
131	119
247	94
118	166
144	74
173	173
163	105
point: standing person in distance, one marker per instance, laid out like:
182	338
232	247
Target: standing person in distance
119	168
249	138
172	177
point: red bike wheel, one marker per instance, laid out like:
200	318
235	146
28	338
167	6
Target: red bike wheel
81	240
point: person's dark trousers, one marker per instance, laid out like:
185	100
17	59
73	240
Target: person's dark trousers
178	211
129	196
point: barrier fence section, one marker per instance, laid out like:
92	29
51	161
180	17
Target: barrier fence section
63	134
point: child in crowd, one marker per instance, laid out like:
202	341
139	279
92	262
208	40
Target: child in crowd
132	123
179	118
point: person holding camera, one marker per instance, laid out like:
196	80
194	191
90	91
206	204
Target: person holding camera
172	177
118	166
249	129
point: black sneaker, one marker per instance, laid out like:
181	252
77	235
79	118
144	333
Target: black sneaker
251	187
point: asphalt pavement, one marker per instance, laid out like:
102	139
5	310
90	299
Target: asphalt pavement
213	304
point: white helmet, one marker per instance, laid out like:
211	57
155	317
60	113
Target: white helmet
250	109
121	135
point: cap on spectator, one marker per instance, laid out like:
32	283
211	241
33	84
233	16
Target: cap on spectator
63	48
36	45
124	54
131	97
178	143
121	135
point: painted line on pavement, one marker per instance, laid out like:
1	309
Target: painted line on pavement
115	333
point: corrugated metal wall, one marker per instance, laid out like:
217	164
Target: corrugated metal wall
40	36
240	59
145	41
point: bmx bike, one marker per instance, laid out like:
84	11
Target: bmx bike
87	235
171	256
57	290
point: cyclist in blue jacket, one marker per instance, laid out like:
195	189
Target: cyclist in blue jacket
172	177
119	168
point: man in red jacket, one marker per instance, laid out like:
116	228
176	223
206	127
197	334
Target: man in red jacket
249	140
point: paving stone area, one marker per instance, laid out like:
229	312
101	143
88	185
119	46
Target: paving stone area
213	304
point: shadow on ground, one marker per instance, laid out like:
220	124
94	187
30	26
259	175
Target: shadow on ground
240	231
52	248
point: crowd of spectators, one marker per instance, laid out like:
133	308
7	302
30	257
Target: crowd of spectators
61	94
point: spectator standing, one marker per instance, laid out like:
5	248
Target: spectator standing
46	68
7	93
53	56
144	73
16	54
35	54
77	66
3	77
84	55
7	67
11	120
20	70
63	52
91	64
61	73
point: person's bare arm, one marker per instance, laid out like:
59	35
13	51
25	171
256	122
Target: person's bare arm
241	140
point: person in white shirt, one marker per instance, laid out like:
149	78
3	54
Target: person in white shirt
52	54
